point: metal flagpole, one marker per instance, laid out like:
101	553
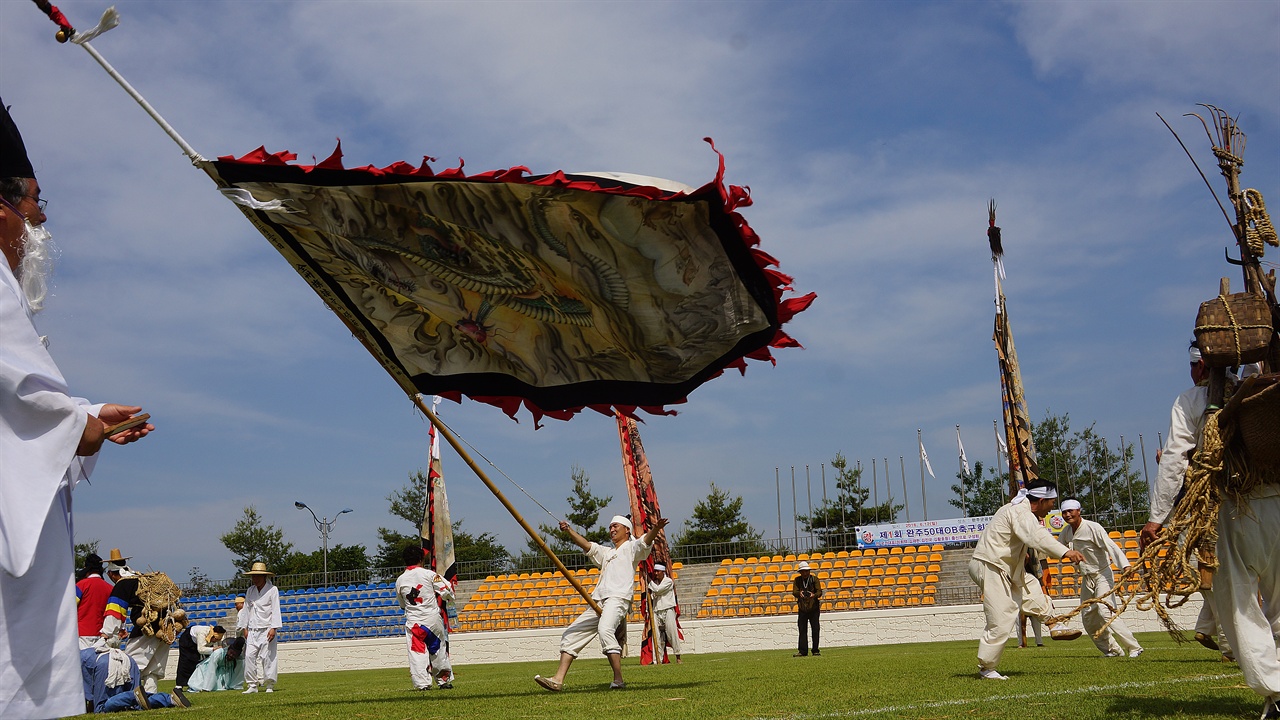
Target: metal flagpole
964	508
875	490
924	500
888	490
1143	449
795	527
906	502
777	483
808	483
996	426
1124	456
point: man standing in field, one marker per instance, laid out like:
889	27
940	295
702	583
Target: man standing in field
259	622
1099	551
614	590
997	561
416	590
807	590
663	593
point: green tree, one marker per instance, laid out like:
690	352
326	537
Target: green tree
251	541
1087	467
82	550
717	521
834	521
408	503
584	514
983	494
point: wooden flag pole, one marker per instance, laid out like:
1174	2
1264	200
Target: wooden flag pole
537	539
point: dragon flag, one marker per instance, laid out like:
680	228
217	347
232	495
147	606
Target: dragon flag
644	510
1017	423
556	292
437	526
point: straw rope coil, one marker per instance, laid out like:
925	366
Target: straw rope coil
158	594
1258	227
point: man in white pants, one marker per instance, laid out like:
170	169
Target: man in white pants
260	621
1099	551
613	592
416	591
997	566
662	592
1249	567
1186	427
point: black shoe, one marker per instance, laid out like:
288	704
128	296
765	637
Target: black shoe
142	698
816	653
1271	709
446	686
179	698
1206	641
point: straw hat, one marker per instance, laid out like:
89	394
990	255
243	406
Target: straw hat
116	558
260	568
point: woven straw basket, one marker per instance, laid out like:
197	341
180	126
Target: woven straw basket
1234	329
1258	424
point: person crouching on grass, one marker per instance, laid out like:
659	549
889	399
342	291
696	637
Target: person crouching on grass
614	590
416	590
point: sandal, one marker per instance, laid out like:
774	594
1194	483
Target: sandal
548	683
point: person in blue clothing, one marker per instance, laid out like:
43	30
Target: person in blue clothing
112	684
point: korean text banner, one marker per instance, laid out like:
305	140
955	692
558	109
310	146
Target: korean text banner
926	532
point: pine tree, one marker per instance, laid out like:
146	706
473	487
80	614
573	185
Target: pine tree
717	521
251	541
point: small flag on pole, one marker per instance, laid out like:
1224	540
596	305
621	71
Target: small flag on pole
924	457
1004	447
964	461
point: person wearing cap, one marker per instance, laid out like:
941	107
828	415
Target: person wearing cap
92	594
416	591
997	565
807	590
195	644
613	592
231	620
1186	426
260	621
662	593
1096	580
49	441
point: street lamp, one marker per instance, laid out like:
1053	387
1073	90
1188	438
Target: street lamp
325	526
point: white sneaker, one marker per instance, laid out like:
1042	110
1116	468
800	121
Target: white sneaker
1135	652
270	690
250	689
991	675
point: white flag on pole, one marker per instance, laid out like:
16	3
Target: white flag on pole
1004	447
924	456
964	461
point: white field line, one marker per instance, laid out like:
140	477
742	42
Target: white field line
995	698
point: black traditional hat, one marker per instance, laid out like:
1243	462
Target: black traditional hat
13	154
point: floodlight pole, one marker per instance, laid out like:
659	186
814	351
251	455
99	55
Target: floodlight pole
325	526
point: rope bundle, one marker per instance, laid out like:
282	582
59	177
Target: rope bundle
1258	228
158	595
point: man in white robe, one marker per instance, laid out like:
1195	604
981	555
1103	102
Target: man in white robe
1096	580
416	591
259	622
997	565
614	589
1186	427
48	442
662	591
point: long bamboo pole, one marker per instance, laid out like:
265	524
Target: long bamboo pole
537	539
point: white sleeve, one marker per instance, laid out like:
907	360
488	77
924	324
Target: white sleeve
442	587
1184	431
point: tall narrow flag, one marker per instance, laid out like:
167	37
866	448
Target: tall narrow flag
924	458
964	461
437	526
644	512
1017	423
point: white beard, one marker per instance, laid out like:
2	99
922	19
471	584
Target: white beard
36	265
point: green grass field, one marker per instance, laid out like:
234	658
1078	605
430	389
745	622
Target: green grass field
1064	680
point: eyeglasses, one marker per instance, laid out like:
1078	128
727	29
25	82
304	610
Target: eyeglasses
40	203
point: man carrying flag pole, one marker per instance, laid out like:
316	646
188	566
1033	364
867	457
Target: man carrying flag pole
437	532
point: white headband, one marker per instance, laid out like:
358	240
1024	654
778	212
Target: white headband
621	521
1070	505
1042	492
1195	355
659	567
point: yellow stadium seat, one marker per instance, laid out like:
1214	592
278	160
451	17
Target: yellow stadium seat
913	600
893	560
927	600
882	551
1131	533
880	561
877	572
677	565
846	583
739	561
864	572
934	568
861	582
884	602
931	578
1114	535
789	558
858	593
899	602
843	554
936	548
935	557
873	582
895	550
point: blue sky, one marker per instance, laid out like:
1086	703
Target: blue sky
871	134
